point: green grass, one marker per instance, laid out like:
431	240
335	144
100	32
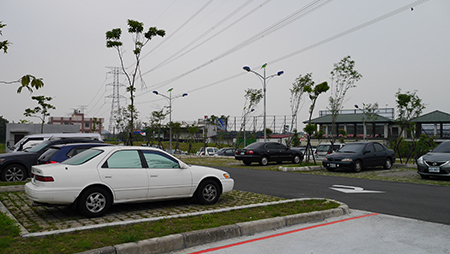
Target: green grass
11	242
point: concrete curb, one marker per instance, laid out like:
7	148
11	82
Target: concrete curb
181	241
320	167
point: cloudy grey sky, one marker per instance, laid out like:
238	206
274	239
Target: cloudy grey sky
208	42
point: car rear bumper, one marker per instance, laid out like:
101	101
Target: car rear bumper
251	158
46	195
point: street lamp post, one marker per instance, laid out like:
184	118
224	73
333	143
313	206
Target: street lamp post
265	81
170	99
364	120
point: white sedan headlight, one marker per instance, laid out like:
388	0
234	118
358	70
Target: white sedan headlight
226	175
347	159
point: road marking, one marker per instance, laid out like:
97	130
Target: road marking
352	189
281	234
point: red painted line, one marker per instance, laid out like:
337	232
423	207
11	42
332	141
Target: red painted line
281	234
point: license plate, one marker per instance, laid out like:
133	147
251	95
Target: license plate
433	169
242	153
332	165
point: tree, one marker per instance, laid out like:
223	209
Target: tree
343	77
27	81
409	107
192	131
252	98
140	39
370	114
40	111
313	92
157	117
297	92
3	123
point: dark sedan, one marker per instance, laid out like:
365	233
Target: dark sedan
16	166
265	152
436	162
60	153
359	155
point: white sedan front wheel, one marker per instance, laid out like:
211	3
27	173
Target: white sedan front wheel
208	192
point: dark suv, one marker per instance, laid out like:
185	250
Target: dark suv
16	166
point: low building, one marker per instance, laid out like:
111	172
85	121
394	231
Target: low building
16	131
85	124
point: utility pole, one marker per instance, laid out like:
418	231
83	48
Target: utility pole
115	103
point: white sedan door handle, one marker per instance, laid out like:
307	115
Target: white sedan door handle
108	176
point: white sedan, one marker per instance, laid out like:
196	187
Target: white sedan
95	179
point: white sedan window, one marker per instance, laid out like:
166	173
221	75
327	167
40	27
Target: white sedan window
158	160
125	159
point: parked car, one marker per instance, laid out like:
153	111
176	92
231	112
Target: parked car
324	149
59	153
209	151
29	141
265	152
359	155
436	162
17	166
228	151
94	180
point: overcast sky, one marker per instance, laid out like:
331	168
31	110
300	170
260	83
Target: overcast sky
208	42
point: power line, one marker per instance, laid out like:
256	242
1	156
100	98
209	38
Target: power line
178	54
329	39
278	25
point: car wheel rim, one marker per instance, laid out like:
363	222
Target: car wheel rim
14	174
297	159
388	163
358	167
264	161
95	202
209	192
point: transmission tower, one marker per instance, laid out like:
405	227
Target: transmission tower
115	103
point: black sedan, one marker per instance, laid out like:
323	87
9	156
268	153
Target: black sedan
16	166
265	152
436	162
359	155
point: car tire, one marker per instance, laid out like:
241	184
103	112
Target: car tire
247	163
208	192
14	173
387	164
94	202
358	166
297	159
264	161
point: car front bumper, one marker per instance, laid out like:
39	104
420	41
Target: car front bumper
338	164
426	170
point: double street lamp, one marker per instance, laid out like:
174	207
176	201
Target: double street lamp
170	99
265	81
